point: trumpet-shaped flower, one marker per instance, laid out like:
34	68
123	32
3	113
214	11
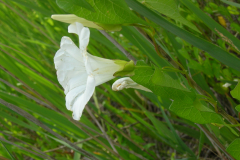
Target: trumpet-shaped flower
80	72
127	83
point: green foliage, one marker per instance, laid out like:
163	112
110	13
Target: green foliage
159	82
233	149
106	11
80	3
168	8
188	56
238	108
194	111
185	103
236	92
215	51
231	3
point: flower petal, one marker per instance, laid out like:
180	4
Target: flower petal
84	39
88	65
72	96
80	78
82	100
68	46
65	40
102	69
75	28
69	65
83	34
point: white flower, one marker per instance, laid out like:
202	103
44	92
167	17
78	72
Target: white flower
78	71
127	83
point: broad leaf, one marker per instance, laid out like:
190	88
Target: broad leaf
238	108
159	82
168	8
106	11
82	3
185	104
236	92
234	148
194	111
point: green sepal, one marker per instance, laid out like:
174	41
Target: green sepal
127	68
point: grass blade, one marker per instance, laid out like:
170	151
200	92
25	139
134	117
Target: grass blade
215	51
7	150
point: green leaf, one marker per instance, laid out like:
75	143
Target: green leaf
234	149
160	78
214	26
194	111
77	155
231	3
185	104
159	82
237	108
80	3
170	9
106	11
33	6
8	151
201	142
228	133
236	92
179	140
143	45
215	51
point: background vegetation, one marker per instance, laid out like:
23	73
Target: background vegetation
202	37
